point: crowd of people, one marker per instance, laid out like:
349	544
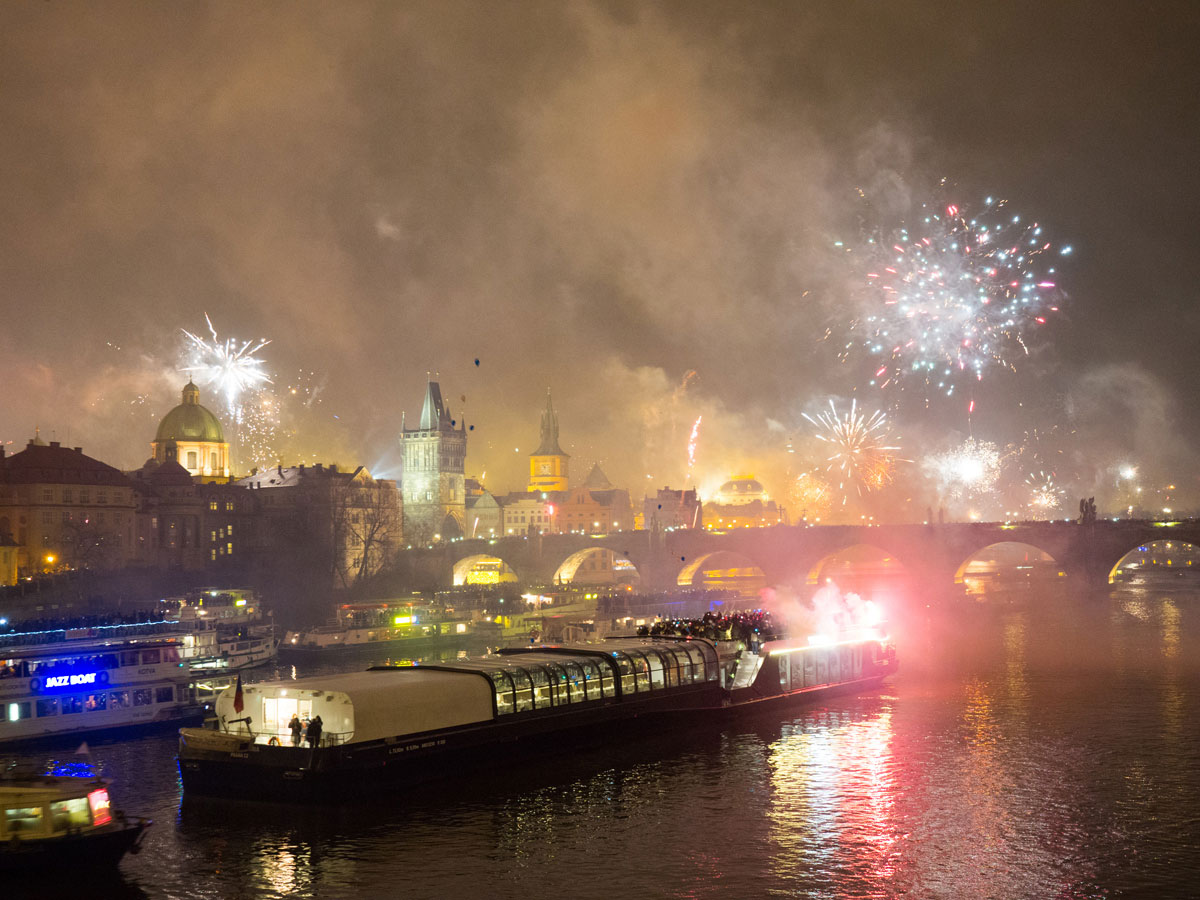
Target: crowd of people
752	627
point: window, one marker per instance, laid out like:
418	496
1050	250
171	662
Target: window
95	702
67	814
71	705
142	697
85	496
17	711
151	657
182	693
170	654
23	820
164	694
129	658
102	497
212	505
47	517
47	495
228	506
47	706
119	700
192	459
212	460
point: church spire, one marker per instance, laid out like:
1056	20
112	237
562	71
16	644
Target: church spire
549	445
432	412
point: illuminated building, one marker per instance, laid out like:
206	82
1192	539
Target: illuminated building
548	463
64	509
192	436
523	512
434	485
9	553
742	502
672	509
595	507
483	515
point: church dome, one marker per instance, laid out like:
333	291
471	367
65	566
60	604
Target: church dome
190	421
741	490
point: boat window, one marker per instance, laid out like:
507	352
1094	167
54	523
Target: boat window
71	705
542	698
93	702
164	694
642	668
170	655
625	672
655	661
119	699
503	687
591	678
47	706
575	681
671	660
822	667
15	711
23	820
67	814
129	658
150	657
522	690
810	668
141	697
182	694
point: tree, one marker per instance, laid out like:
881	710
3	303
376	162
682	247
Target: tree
366	524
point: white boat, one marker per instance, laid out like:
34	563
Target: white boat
138	675
224	629
367	625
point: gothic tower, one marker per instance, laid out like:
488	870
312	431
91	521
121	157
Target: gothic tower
548	463
434	487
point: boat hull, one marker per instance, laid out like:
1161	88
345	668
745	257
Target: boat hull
89	850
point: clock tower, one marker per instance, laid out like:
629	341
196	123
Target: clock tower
548	463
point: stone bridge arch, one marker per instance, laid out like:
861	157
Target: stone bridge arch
723	570
482	569
1007	564
1162	555
861	568
597	565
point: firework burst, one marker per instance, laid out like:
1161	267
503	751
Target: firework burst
230	365
811	496
953	297
859	452
967	471
1045	496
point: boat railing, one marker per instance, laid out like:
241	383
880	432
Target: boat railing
90	632
284	739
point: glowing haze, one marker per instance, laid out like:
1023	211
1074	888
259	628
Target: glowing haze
636	206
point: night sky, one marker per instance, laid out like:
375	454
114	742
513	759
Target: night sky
598	198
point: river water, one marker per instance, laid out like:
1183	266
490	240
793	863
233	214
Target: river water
1045	751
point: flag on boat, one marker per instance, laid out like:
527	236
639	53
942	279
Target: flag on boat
83	750
238	705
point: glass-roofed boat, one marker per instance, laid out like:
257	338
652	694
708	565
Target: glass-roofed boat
395	726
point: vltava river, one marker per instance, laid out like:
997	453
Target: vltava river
1051	751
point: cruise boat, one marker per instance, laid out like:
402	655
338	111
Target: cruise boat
368	626
393	726
62	822
224	629
134	675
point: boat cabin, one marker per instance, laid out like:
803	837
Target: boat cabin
53	807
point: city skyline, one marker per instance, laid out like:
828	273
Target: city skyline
622	208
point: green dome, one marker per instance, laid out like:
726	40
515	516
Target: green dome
190	421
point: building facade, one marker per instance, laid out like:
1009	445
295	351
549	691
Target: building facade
64	509
669	510
434	483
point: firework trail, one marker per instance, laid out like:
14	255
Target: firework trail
230	366
969	470
691	447
859	454
953	297
1045	496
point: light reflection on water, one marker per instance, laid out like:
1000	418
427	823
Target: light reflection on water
1043	751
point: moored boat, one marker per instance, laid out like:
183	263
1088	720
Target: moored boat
62	822
394	726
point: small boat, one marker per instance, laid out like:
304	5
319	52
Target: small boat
62	822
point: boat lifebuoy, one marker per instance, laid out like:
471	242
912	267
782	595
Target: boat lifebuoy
273	742
102	678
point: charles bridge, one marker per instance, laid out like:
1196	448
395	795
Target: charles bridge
931	556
